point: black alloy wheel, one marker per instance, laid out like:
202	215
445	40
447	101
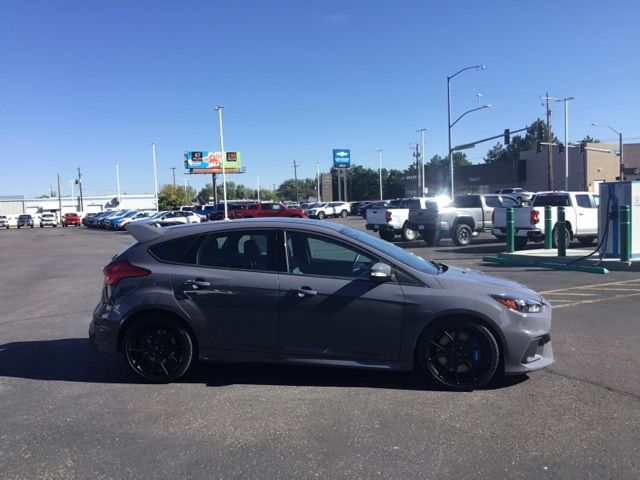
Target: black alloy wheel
459	355
158	350
462	235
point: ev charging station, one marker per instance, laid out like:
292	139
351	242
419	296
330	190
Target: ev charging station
612	196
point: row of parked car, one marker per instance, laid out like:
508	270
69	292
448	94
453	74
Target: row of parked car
41	220
468	215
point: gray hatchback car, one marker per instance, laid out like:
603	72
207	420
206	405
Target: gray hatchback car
311	293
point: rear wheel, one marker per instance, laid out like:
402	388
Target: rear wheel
387	235
344	214
158	349
462	235
321	215
459	354
409	234
520	242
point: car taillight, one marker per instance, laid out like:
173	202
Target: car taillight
534	217
116	271
388	216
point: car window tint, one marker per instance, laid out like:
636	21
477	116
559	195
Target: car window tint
596	200
467	201
583	201
551	200
509	202
251	250
314	255
172	250
493	202
410	204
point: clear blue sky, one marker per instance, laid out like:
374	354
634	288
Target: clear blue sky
88	83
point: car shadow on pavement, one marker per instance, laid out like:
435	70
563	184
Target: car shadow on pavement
73	360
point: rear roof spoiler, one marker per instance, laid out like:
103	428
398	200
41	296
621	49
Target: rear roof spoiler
143	231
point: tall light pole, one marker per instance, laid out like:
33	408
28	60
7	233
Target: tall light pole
566	140
422	130
318	181
380	170
118	178
224	175
449	125
258	182
620	140
72	190
155	173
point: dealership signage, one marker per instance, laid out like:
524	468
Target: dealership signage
341	158
212	162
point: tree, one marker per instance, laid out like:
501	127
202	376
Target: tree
590	139
205	195
172	197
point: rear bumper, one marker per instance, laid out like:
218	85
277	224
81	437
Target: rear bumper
377	227
533	234
104	328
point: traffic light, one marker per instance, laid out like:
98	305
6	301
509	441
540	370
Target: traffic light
560	147
538	147
583	146
539	133
506	136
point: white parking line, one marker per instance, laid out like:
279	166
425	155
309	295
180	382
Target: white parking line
635	282
595	300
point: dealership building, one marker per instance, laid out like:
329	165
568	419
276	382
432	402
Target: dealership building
14	206
598	163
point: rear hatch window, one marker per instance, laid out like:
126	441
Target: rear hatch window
551	201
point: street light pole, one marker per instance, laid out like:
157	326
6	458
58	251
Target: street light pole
318	181
224	175
449	125
422	130
566	140
118	178
620	147
380	170
155	173
258	181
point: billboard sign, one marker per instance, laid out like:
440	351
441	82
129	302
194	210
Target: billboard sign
341	158
211	162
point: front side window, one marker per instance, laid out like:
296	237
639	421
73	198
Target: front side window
309	254
583	201
246	250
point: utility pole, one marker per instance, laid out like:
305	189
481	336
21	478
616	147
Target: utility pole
155	173
118	178
174	177
295	177
80	186
546	98
417	155
59	199
380	170
422	130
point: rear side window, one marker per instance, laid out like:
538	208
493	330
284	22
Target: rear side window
247	250
173	251
467	201
492	202
410	204
509	202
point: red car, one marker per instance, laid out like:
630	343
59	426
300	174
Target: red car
267	209
71	219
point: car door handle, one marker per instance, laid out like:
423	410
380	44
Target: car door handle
197	283
303	292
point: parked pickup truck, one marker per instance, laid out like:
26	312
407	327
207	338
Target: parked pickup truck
581	217
461	220
258	210
389	222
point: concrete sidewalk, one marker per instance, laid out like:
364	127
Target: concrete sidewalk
541	256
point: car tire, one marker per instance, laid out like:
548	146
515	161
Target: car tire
567	237
520	242
387	235
586	241
449	346
321	215
161	343
344	214
431	238
409	234
461	235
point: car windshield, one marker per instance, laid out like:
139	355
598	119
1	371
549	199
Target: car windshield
392	250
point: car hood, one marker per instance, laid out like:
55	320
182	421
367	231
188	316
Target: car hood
473	281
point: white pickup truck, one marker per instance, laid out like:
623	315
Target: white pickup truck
581	218
389	222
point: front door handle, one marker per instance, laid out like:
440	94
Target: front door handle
197	283
304	292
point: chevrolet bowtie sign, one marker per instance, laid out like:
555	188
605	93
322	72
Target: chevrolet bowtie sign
341	158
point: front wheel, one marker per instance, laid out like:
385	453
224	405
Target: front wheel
462	235
321	215
459	354
344	214
409	234
387	235
158	350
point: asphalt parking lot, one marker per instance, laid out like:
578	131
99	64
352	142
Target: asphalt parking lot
69	412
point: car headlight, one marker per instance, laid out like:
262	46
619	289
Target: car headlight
522	305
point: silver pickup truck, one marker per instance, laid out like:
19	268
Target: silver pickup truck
389	222
462	220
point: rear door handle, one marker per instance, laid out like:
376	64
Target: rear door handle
197	283
303	292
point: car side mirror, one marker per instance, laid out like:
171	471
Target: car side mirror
380	272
